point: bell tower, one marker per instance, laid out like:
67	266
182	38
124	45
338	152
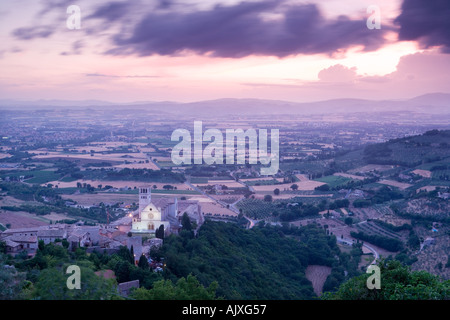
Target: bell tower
145	198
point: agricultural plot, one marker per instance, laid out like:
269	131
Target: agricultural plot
262	182
255	208
309	185
374	229
228	183
199	180
441	175
214	208
392	183
370	168
38	176
334	181
423	173
138	165
350	176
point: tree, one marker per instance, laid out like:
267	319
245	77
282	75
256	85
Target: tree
268	198
324	187
159	233
276	191
186	222
2	247
132	254
143	263
10	281
41	245
348	221
125	254
294	187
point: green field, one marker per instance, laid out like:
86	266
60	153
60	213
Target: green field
262	182
199	180
39	176
334	181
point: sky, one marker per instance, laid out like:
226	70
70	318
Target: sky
192	50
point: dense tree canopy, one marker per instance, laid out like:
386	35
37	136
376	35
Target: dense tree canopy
397	283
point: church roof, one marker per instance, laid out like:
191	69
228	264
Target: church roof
151	207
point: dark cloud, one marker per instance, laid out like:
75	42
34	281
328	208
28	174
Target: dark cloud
241	30
111	11
28	33
426	21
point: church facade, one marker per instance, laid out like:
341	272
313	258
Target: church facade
163	211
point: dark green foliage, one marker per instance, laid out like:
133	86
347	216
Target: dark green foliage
2	247
410	151
348	221
324	187
186	222
260	263
159	233
397	283
389	244
361	203
382	195
143	263
11	281
392	227
126	254
185	289
51	285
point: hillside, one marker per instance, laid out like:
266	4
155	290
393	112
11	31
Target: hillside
410	151
260	263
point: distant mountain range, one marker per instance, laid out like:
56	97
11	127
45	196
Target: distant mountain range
432	103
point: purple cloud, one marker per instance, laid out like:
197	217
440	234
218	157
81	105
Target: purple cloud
427	22
33	32
240	30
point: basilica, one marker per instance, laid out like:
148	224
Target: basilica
164	212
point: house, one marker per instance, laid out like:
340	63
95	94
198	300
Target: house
17	243
51	235
79	238
12	247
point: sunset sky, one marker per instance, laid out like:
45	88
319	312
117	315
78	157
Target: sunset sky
191	50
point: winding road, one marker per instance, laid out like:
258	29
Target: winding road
351	241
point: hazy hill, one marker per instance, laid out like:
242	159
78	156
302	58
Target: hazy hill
434	103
